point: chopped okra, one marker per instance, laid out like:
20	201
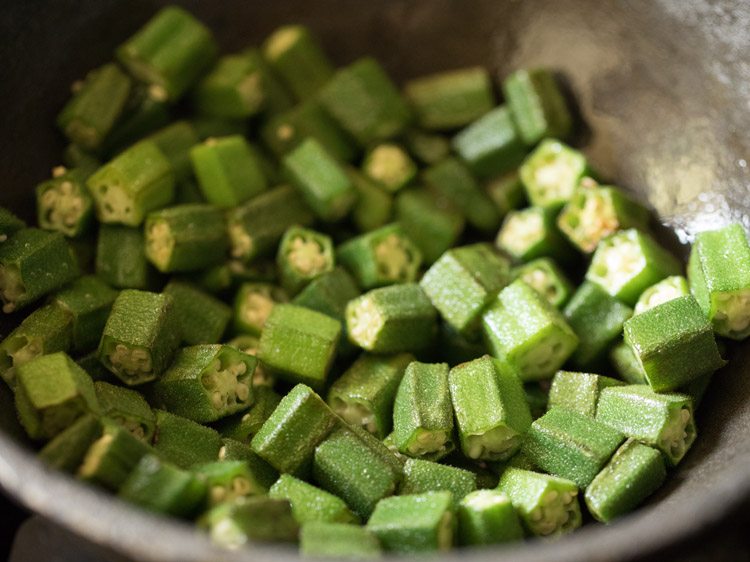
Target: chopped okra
202	317
228	480
184	442
303	255
487	517
665	290
338	540
546	278
578	391
531	233
310	503
253	305
112	457
255	519
128	408
390	166
552	173
422	476
64	203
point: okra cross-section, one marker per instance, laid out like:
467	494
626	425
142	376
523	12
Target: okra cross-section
253	305
578	391
64	204
546	278
552	173
532	233
390	166
487	517
229	480
243	426
310	503
672	287
126	407
303	255
422	476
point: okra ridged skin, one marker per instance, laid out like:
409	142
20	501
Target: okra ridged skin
230	480
126	407
422	476
427	147
202	318
487	517
506	191
255	519
329	293
121	258
626	364
233	89
66	450
546	277
311	504
64	204
175	142
338	540
578	391
183	442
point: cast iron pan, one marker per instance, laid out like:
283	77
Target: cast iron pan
663	86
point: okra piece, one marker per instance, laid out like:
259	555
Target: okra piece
430	221
392	319
175	142
214	280
374	205
531	233
463	282
311	504
98	372
253	305
546	278
365	103
75	156
338	540
578	391
455	348
491	145
298	59
719	273
137	181
321	180
546	505
9	224
364	394
254	519
288	438
202	318
633	474
158	486
450	99
303	255
184	442
661	420
674	343
487	517
551	174
91	113
628	262
233	450
665	290
594	212
490	408
34	263
452	179
537	105
626	364
256	227
415	524
64	204
242	427
121	258
506	192
422	476
140	336
128	408
422	412
571	445
329	293
429	148
170	52
229	170
522	328
52	392
390	166
230	480
66	450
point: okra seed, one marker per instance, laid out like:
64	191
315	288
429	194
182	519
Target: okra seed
307	256
241	486
243	392
242	243
393	257
59	171
218	494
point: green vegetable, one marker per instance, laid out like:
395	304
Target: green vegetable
310	503
121	257
303	255
390	166
229	480
665	290
255	519
329	293
202	318
551	174
546	278
506	191
64	204
9	224
578	391
422	476
428	148
487	517
127	408
338	540
531	233
183	442
253	305
66	450
245	425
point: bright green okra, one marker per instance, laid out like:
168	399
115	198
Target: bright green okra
487	517
338	540
121	257
175	142
578	391
329	293
303	255
546	278
253	305
422	476
126	407
531	233
184	442
665	290
64	204
390	166
254	519
626	364
202	317
551	174
310	503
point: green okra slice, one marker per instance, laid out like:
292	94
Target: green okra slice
626	364
430	221
299	344
429	148
303	255
463	282
48	329
551	174
415	523
9	224
571	445
97	103
64	204
537	105
422	476
578	391
374	205
365	103
487	517
52	392
547	505
522	328
233	450
229	170
66	450
184	442
506	192
537	397
381	257
88	300
170	52
249	520
390	166
450	99
253	305
34	263
156	485
454	181
719	273
321	179
422	412
392	319
256	227
140	337
202	318
661	420
628	262
213	280
311	504
597	319
338	540
491	145
490	408
531	233
229	480
243	426
674	343
175	142
288	438
126	407
364	394
121	257
672	287
546	277
633	474
329	293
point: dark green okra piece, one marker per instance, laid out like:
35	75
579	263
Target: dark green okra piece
547	505
428	148
175	142
184	442
9	224
626	364
669	288
253	305
229	480
507	192
75	156
522	328
126	407
490	408
537	104
374	205
487	517
66	450
390	166
329	293
422	412
242	427
250	520
365	103
719	273
546	277
98	372
170	52
338	540
121	257
552	173
634	473
430	221
531	233
303	255
419	523
381	257
674	343
140	337
422	476
310	503
450	99
214	280
64	204
52	392
34	263
364	394
392	319
202	317
233	450
628	262
578	391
